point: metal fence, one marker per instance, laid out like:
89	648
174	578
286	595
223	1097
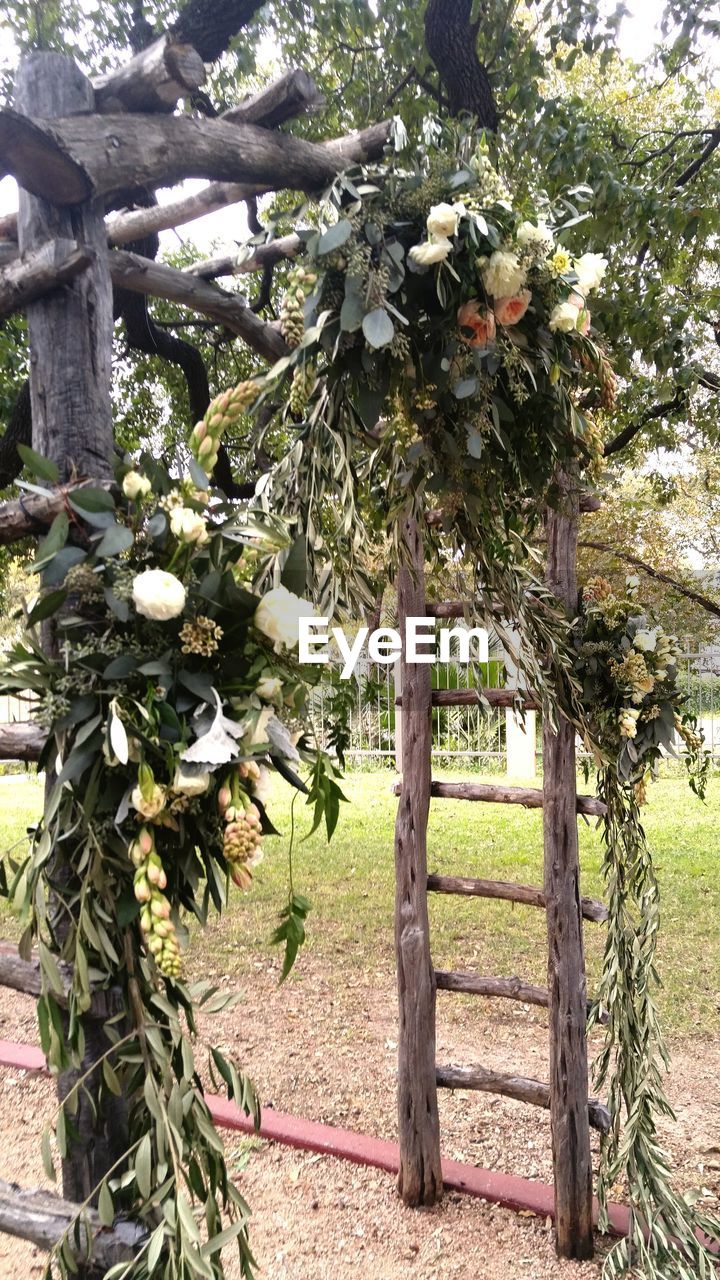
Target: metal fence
476	734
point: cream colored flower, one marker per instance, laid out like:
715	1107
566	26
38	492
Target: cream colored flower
263	785
590	270
151	807
537	240
430	252
560	262
278	616
645	641
188	526
564	318
443	220
268	688
191	782
158	595
503	274
259	733
136	486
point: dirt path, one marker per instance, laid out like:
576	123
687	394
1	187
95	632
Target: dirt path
325	1049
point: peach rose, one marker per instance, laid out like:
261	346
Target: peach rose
474	316
509	311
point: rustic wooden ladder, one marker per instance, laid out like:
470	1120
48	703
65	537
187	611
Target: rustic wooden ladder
419	1076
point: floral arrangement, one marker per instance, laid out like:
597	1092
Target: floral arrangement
170	695
440	334
628	669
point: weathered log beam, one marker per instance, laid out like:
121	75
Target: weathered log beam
498	988
142	275
471	698
53	265
505	891
528	797
43	1218
25	976
68	161
287	97
21	741
153	80
35	511
521	1088
247	259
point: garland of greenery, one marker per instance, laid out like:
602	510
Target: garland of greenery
172	691
628	669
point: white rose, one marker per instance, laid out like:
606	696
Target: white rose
564	318
188	526
503	275
590	270
158	595
426	254
443	220
645	641
537	239
136	486
152	807
191	782
259	733
278	616
269	688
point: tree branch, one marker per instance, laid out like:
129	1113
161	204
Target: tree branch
209	25
703	601
53	265
43	1218
662	410
153	80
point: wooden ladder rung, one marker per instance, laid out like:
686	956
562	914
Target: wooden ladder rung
502	988
470	698
528	797
529	896
521	1088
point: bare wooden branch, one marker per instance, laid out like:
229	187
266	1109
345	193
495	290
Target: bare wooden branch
53	265
24	975
249	258
67	161
43	1218
21	741
528	797
289	96
498	988
471	698
36	511
521	1088
572	1161
506	891
153	80
420	1177
142	275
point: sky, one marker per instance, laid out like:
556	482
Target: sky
638	35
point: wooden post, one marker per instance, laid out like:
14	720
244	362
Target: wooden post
420	1179
70	369
566	960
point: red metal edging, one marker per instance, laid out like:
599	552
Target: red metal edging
344	1144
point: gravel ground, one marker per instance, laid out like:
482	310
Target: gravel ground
326	1049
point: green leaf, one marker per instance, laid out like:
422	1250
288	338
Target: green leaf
116	539
47	1159
106	1210
37	465
294	574
46	606
54	542
335	237
143	1167
352	311
465	388
91	500
378	328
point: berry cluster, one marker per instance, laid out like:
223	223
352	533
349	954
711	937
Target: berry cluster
155	922
292	314
303	383
222	414
243	834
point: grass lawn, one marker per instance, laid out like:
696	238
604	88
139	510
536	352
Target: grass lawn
350	884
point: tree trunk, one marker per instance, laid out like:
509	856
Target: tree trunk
451	41
70	369
420	1179
566	959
